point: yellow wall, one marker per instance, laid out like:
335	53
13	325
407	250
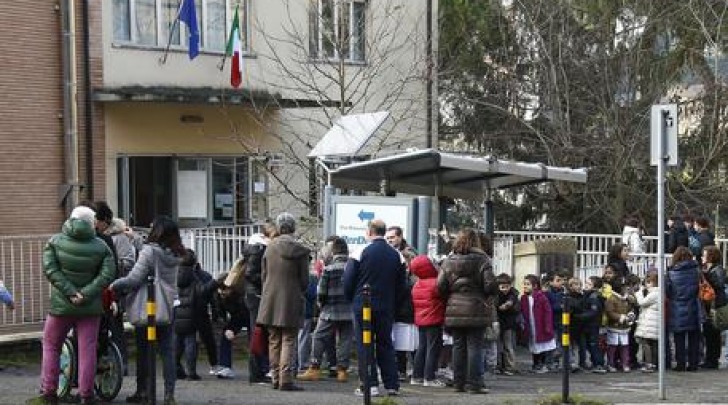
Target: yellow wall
156	129
141	128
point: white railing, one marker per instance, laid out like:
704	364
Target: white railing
217	248
503	255
638	264
591	249
21	270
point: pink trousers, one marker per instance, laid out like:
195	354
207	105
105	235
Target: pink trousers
54	333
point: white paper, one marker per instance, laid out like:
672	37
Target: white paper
259	187
405	337
223	200
192	194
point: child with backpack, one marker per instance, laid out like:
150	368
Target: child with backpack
192	294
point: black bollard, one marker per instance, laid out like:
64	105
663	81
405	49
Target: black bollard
151	341
565	320
366	340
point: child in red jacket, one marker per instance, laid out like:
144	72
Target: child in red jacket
538	320
429	309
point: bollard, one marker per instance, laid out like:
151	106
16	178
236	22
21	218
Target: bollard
151	341
565	321
366	339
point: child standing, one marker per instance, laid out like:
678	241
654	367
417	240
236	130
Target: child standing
555	294
508	308
575	300
591	319
619	319
429	311
539	325
648	322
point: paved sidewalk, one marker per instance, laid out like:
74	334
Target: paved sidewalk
19	383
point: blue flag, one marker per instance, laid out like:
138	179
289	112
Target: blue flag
188	15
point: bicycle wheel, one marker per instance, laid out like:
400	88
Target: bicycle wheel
109	373
68	367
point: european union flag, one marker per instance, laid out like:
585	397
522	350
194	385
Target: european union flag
188	15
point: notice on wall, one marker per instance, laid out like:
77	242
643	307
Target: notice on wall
192	194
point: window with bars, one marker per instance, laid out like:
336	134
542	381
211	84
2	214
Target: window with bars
148	23
337	30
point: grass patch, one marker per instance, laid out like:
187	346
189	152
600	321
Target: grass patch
573	399
385	401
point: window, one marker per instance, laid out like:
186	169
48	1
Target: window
148	23
197	191
336	29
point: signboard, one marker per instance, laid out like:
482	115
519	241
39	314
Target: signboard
351	216
663	124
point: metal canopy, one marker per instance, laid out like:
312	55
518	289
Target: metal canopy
435	173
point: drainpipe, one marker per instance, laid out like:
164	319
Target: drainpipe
88	105
430	63
70	109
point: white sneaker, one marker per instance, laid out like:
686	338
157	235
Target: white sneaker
226	372
373	391
435	384
215	369
416	381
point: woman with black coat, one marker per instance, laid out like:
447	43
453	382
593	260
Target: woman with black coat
714	273
683	278
617	258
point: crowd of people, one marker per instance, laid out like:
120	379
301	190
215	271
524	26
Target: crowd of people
435	323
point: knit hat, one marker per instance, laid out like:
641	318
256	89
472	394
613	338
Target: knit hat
285	223
84	213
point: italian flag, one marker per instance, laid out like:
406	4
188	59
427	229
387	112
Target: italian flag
235	52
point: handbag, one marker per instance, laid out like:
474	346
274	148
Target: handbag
259	341
705	290
137	303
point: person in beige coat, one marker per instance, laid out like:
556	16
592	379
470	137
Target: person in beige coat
284	273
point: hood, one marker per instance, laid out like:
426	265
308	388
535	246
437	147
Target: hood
185	276
117	225
628	230
167	257
250	250
257	239
422	267
78	229
290	248
687	264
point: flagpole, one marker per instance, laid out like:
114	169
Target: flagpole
163	59
221	65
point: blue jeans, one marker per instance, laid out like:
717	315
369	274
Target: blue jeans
588	341
165	349
187	345
467	356
303	359
428	352
384	349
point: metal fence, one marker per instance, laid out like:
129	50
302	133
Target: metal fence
21	270
217	248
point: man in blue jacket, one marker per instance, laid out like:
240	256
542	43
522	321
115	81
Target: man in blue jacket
383	269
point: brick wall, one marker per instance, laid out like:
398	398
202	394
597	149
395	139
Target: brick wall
31	107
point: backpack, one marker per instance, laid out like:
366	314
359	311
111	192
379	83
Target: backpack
235	280
694	245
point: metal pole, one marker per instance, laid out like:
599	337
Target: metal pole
565	320
328	201
151	341
366	339
424	208
488	216
661	252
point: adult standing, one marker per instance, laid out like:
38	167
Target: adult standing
466	281
253	256
79	266
677	234
405	313
684	308
703	233
160	257
284	276
714	273
617	259
632	235
335	316
382	268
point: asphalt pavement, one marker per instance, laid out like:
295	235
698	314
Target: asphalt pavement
20	382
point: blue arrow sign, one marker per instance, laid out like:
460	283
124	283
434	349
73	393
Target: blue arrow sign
365	216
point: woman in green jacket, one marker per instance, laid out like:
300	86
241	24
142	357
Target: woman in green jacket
79	266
